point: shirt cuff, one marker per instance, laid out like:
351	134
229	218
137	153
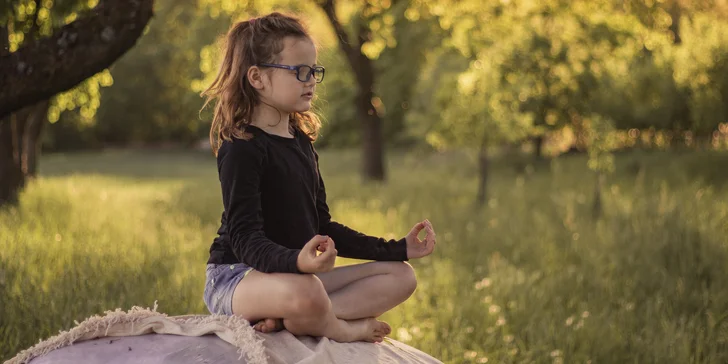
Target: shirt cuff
400	249
293	261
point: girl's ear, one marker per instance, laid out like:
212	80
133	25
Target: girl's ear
255	77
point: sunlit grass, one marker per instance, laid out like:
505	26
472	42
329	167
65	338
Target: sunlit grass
530	278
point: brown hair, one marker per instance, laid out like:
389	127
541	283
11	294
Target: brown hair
248	43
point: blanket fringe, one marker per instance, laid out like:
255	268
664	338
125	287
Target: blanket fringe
139	321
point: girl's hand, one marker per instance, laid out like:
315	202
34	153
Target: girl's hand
310	262
417	248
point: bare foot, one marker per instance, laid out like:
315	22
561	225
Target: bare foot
368	329
269	325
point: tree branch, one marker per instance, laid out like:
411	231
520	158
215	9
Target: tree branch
329	8
72	54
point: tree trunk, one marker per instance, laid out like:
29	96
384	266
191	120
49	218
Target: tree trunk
675	13
20	143
74	52
35	120
11	176
538	145
597	208
483	167
372	146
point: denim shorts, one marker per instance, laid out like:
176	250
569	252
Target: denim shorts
220	283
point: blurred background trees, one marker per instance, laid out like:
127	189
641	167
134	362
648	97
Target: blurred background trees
545	77
46	49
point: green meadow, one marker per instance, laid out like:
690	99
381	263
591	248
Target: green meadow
532	277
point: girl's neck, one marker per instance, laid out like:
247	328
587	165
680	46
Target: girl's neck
271	120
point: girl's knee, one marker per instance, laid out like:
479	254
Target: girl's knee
408	277
405	276
309	297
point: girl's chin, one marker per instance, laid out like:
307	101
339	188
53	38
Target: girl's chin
303	106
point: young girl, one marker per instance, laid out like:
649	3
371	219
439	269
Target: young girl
273	259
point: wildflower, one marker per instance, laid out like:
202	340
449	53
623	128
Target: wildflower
484	283
403	335
569	321
501	321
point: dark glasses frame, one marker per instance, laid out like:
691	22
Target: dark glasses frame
298	68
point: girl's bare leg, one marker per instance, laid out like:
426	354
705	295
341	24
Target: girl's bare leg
369	289
361	290
300	300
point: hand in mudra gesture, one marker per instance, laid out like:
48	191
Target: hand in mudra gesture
310	262
417	248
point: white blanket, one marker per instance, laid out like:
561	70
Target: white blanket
142	336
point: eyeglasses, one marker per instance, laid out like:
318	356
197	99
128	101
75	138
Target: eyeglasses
303	72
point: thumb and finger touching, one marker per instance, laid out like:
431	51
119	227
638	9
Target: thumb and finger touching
416	231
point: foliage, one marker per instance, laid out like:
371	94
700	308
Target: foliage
701	69
32	19
153	99
450	74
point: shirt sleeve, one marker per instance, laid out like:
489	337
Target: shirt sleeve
240	169
351	243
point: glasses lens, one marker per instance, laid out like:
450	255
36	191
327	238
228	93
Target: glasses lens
304	73
318	74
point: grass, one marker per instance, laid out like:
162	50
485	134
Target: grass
531	278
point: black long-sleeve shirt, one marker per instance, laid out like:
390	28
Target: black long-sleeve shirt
274	202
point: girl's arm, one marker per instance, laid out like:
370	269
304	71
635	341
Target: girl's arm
351	243
240	166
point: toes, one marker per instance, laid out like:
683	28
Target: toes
269	325
273	323
384	327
